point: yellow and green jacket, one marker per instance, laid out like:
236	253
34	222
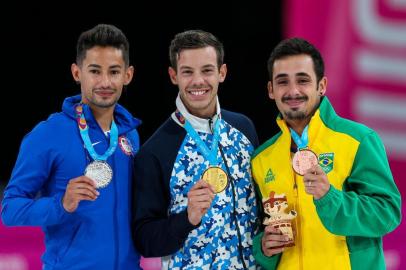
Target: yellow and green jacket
343	229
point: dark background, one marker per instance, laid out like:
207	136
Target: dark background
38	44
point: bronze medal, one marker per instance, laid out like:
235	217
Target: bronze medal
303	160
216	177
100	172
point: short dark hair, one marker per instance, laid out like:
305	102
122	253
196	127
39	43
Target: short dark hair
194	39
104	35
297	46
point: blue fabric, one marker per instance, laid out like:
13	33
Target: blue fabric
214	243
166	167
97	235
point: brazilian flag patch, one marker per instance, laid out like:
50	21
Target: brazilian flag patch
326	162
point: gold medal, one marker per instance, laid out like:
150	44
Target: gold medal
303	160
216	177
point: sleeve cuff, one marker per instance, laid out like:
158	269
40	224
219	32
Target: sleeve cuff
62	213
332	195
263	260
181	226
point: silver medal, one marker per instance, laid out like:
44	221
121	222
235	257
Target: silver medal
100	172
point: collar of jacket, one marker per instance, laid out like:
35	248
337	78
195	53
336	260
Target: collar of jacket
325	113
199	124
124	120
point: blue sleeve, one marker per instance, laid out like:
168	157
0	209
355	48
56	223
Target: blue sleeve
22	204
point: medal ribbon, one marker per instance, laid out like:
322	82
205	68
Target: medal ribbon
84	133
209	153
301	141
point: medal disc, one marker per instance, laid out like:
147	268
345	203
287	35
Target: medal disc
304	160
216	177
100	172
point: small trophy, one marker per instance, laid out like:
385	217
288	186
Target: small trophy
275	207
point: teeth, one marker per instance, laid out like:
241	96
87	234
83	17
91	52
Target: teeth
197	93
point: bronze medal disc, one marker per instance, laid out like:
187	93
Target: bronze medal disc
303	160
100	172
216	177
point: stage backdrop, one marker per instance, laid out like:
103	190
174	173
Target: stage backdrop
364	46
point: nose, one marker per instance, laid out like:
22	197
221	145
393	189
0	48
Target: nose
293	90
105	81
198	79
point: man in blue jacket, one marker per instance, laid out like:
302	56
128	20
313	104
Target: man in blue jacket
73	173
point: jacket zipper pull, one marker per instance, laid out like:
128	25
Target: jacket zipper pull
295	187
211	125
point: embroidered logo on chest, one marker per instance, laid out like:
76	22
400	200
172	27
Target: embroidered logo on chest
326	162
270	176
125	145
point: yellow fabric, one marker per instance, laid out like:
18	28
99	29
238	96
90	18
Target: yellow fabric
315	247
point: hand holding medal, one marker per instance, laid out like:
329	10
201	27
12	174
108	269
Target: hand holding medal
214	175
78	189
98	170
199	197
306	163
316	182
304	158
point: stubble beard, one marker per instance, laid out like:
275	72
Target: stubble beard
295	115
103	103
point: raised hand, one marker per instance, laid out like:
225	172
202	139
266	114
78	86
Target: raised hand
316	182
199	197
79	189
273	241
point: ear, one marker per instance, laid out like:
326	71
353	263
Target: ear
223	72
75	69
172	75
129	73
270	90
322	86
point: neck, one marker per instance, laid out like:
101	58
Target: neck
103	116
203	114
298	125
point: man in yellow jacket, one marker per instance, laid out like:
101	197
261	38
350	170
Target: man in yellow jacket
332	173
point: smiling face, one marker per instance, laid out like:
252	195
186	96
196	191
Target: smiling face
295	89
198	78
102	75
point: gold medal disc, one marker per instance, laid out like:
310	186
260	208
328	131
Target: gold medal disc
216	177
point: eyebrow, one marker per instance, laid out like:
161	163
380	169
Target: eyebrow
303	74
284	75
98	66
205	66
209	66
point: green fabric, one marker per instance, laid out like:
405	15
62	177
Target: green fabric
367	208
369	205
331	120
268	263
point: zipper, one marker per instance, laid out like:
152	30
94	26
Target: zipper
298	224
298	236
116	250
